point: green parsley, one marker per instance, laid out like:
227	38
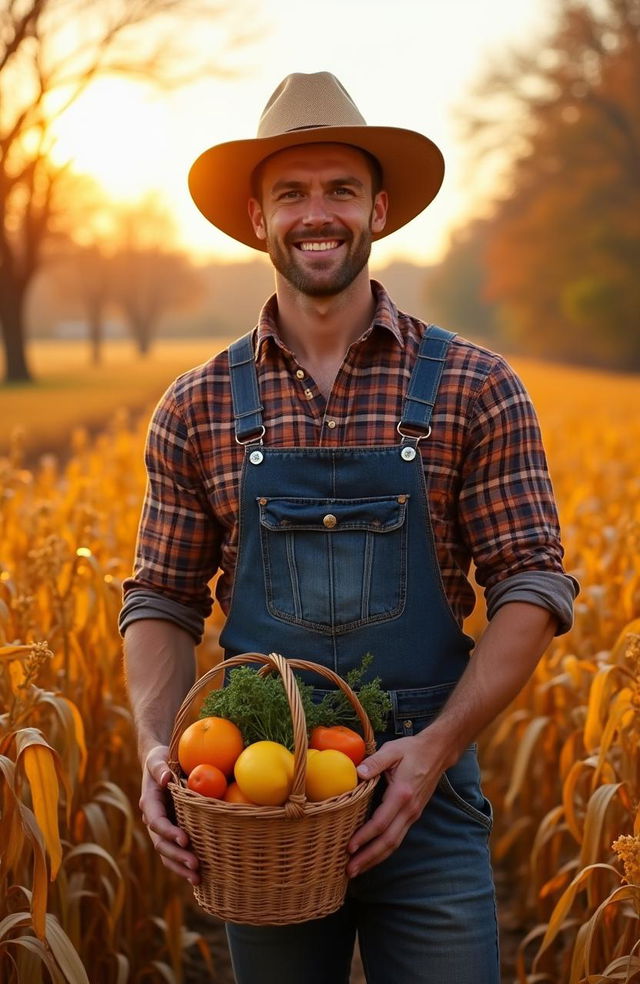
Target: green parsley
258	705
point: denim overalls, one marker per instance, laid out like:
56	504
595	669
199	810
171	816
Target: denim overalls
335	560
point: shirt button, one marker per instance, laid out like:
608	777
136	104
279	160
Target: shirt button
331	424
308	394
300	373
329	521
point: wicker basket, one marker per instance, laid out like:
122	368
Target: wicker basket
264	865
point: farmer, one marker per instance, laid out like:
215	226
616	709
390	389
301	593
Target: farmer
342	465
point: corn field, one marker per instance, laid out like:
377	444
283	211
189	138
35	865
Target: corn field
82	894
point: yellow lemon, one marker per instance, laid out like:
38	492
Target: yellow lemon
264	773
329	773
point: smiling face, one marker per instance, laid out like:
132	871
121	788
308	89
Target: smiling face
317	214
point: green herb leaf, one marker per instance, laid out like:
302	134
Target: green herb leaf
258	705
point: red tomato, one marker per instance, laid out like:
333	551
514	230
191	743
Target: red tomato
207	780
341	739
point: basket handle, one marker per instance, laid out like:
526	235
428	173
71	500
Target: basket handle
275	662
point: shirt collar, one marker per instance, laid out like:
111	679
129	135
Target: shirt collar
385	316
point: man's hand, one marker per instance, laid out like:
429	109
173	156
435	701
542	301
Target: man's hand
411	781
170	841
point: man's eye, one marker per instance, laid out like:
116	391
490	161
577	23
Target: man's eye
290	195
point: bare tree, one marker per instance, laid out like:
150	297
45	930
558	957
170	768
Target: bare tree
50	51
149	275
83	276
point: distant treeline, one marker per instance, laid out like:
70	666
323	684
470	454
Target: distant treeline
551	268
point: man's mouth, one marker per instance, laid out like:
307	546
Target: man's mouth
318	246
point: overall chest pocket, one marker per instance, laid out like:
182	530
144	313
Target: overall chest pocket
333	565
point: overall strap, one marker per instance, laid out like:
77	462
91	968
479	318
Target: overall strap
247	408
424	382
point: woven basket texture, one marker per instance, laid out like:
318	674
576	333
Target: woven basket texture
266	865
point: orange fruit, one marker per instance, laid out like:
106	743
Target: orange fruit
211	741
207	780
329	773
264	773
343	739
234	794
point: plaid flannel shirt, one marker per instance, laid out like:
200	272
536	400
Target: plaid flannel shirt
489	493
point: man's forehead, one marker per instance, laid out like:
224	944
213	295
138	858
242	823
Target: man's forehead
310	156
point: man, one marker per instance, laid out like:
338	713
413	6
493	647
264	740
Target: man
342	465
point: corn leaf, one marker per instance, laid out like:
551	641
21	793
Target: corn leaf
524	754
111	795
75	747
10	816
28	959
36	948
123	969
66	957
577	957
597	807
165	972
621	712
92	850
10	652
33	834
550	826
570	753
559	880
626	964
98	826
40	768
599	695
17	676
569	786
565	902
621	894
12	922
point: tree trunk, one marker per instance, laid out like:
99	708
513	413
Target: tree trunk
12	298
142	331
96	332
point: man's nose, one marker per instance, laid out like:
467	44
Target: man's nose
316	211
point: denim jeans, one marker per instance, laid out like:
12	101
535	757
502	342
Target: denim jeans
425	915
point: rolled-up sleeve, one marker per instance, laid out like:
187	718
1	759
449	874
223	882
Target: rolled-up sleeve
507	508
178	543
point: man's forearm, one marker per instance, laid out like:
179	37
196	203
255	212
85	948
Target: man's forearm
502	662
160	669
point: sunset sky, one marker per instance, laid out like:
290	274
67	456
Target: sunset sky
406	63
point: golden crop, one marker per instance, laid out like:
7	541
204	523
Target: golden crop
80	886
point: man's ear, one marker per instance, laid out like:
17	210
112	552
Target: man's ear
257	218
379	211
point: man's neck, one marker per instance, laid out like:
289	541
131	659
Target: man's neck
319	330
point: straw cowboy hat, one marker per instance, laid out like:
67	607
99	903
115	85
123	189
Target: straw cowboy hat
307	109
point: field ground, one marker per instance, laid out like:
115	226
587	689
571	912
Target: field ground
70	392
67	538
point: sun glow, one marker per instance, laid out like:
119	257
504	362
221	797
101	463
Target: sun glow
115	131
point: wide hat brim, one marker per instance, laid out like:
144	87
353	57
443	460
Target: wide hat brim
412	171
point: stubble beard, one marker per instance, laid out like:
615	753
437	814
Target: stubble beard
311	282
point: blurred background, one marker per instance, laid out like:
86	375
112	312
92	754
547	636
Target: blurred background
112	283
531	246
